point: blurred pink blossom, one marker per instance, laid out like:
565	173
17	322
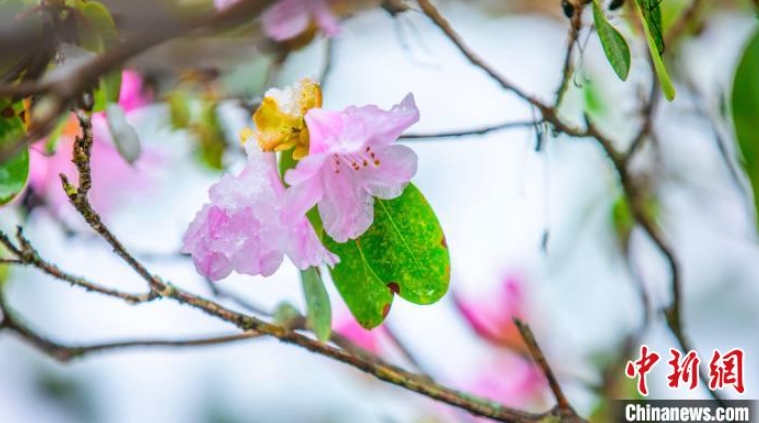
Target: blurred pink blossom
492	317
370	340
510	379
288	19
242	228
352	158
112	176
133	95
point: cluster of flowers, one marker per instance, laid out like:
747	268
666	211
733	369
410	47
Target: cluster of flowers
345	159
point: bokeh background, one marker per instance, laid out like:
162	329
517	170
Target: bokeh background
540	220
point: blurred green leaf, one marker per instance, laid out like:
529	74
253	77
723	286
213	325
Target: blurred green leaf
651	20
15	170
614	45
210	136
51	142
624	221
285	312
403	252
97	32
124	135
318	311
745	107
179	109
595	104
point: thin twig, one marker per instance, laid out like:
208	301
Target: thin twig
537	355
470	132
568	68
26	255
65	353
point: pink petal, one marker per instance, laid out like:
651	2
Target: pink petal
307	169
209	263
324	127
306	250
477	319
301	198
286	19
387	126
397	167
327	21
346	209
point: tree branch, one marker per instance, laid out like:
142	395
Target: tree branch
632	191
470	132
66	353
568	68
26	255
562	403
362	361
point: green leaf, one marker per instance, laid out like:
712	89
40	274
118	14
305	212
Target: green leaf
745	107
286	161
404	252
97	32
651	12
15	170
124	135
614	44
318	310
648	11
367	297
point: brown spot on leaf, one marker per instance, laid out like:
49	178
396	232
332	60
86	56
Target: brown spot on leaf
385	310
443	242
394	287
8	112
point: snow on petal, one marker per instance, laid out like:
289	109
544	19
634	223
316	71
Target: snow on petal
351	160
279	121
243	229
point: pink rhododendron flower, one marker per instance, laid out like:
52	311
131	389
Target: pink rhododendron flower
243	229
492	318
113	178
288	19
352	159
